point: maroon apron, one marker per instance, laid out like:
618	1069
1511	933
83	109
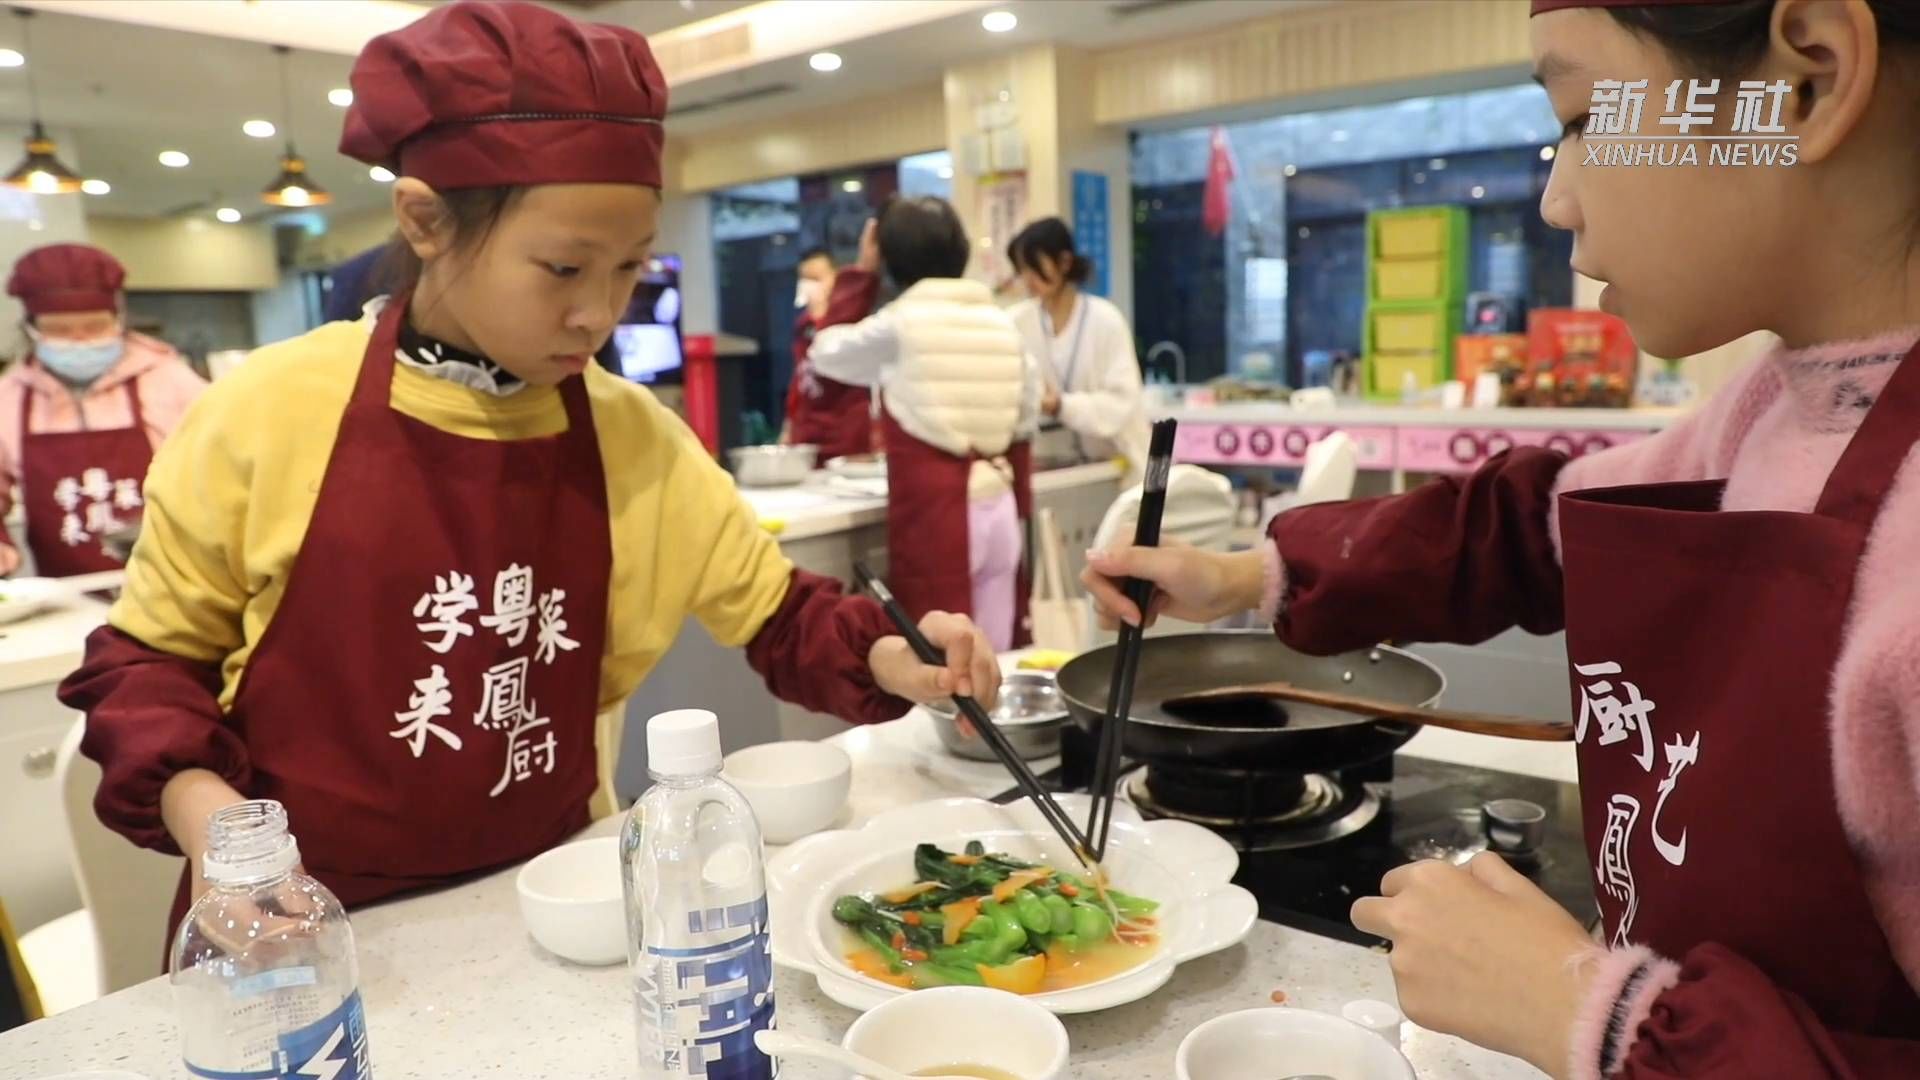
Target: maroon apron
835	416
80	486
927	556
423	701
1703	644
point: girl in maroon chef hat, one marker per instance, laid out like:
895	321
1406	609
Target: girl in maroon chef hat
1739	593
400	573
81	412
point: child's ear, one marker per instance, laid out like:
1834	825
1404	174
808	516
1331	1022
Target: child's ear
422	218
1830	55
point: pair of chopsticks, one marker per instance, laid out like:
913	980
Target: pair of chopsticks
989	731
1126	663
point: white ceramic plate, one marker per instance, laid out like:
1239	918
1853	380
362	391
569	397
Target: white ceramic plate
1185	867
861	467
21	597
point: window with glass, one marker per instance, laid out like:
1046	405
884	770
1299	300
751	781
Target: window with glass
1287	276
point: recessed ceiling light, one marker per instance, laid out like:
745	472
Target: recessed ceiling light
824	61
999	22
340	97
1546	153
381	174
228	214
174	159
96	187
1291	169
11	58
1478	192
852	187
259	129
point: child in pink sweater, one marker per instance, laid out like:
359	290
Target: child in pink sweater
1741	608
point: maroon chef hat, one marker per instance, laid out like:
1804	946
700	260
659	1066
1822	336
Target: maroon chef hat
508	94
67	277
1540	6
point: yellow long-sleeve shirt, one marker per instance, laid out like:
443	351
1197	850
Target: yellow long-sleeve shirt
231	494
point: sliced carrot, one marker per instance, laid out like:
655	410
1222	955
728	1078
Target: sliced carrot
1069	891
907	895
868	963
912	955
912	918
899	941
965	860
1023	976
1018	880
959	916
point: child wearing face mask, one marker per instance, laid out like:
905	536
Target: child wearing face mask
82	412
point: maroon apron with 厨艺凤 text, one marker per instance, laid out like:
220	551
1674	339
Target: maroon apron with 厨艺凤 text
80	486
423	700
1702	644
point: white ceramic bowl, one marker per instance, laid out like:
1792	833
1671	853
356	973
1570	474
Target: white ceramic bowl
963	1025
1188	869
571	900
795	788
1260	1044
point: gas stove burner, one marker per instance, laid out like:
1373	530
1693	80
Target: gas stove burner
1254	811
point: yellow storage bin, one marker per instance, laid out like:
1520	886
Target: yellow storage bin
1407	331
1389	371
1411	236
1409	279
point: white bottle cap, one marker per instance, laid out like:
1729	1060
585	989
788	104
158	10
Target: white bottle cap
684	742
1376	1016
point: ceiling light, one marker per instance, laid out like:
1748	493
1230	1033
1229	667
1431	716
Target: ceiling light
1291	169
260	129
174	159
946	172
824	61
999	22
1478	192
292	187
381	174
1546	153
228	214
340	97
41	171
96	187
11	58
852	187
1437	164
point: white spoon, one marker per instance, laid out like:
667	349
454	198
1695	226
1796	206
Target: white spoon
781	1044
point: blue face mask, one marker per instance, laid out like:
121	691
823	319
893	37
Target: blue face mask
80	362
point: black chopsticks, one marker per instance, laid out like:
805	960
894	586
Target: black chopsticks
971	709
1126	661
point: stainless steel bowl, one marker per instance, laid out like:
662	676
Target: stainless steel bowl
772	466
1031	713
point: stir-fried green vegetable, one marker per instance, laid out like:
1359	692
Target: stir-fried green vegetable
978	918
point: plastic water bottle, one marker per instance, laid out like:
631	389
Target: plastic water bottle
696	894
263	973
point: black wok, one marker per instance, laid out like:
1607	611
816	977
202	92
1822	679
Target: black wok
1296	738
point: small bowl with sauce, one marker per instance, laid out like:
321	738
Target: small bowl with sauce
963	1031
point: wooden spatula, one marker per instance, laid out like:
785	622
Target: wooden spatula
1510	727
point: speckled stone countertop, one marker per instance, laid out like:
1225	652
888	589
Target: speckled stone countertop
455	988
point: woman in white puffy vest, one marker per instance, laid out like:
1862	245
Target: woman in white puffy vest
958	401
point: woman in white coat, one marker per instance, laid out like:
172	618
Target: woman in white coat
1084	346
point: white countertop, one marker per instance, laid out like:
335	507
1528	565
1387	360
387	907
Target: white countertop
1279	412
455	988
814	508
46	647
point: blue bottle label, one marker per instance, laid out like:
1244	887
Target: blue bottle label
701	1006
333	1047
